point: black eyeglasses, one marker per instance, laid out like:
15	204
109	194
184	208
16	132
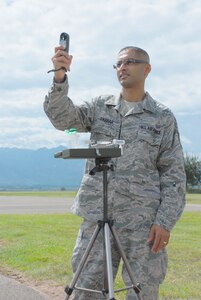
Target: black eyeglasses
129	62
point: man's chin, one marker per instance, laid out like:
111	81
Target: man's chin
125	84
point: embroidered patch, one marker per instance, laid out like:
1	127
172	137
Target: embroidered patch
150	128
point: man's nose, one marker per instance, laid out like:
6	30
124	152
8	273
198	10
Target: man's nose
123	65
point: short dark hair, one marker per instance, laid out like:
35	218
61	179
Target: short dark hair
138	50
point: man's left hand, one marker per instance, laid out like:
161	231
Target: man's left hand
159	237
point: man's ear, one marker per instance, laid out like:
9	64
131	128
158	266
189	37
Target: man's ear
147	70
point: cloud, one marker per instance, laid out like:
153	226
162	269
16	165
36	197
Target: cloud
168	30
185	140
180	91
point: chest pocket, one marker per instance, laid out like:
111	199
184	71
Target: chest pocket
148	145
104	129
151	139
149	134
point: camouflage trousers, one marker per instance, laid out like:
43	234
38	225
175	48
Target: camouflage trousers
149	269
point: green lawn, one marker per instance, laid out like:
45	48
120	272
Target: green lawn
40	193
41	247
193	198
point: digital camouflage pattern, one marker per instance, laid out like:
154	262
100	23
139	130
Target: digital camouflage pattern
147	185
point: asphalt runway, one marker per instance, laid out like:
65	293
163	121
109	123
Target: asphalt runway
47	205
12	289
34	205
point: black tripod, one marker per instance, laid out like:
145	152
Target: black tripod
106	224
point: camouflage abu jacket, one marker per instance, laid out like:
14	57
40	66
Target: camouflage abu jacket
148	182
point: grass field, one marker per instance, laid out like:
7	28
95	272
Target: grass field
193	198
40	193
40	246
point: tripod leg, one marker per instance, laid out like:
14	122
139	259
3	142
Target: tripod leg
105	279
128	268
109	261
69	289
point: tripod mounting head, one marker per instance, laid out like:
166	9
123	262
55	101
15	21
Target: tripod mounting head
89	153
100	149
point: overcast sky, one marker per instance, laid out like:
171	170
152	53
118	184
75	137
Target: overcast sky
168	30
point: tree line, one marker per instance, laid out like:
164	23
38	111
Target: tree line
193	172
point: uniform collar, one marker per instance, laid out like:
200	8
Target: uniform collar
114	100
148	103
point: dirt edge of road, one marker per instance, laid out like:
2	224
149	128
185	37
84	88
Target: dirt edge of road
49	288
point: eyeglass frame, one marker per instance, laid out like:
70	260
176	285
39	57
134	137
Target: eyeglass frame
129	61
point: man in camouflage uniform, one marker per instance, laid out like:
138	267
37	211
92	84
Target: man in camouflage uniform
146	190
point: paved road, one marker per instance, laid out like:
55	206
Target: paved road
46	205
193	207
34	205
12	289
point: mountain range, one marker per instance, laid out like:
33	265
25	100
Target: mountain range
24	169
